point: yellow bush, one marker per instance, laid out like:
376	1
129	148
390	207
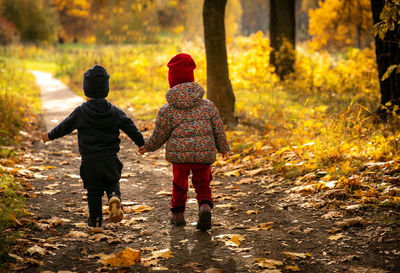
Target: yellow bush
18	97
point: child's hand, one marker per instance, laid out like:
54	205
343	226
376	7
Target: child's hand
142	150
225	156
45	137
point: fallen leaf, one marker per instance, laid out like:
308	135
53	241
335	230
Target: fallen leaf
77	234
164	253
232	173
258	171
36	250
99	237
74	176
332	214
80	225
53	246
249	212
292	268
267	263
164	193
149	261
246	181
33	261
126	257
357	221
213	270
128	238
264	226
234	240
138	208
192	265
15	221
15	257
56	221
336	237
17	267
100	255
42	226
52	186
26	173
159	268
228	205
296	256
50	192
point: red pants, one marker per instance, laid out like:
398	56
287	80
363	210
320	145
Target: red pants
201	179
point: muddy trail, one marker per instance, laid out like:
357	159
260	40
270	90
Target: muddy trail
259	223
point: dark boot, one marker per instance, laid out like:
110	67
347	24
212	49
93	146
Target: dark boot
204	222
94	223
177	218
114	206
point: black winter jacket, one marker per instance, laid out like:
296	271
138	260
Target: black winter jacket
98	123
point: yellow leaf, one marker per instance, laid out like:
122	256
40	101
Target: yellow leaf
258	171
126	257
165	253
292	268
295	256
267	263
228	205
138	208
232	173
266	226
164	193
389	71
336	237
252	212
235	240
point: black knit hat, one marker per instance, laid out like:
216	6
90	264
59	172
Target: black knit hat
95	82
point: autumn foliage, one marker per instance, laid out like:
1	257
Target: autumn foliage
341	24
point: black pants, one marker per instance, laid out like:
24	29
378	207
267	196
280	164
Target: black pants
99	176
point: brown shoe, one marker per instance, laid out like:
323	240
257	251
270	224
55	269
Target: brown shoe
204	222
177	218
114	206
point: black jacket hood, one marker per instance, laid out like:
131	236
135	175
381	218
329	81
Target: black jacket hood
99	113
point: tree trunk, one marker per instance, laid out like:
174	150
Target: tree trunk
282	29
219	88
387	53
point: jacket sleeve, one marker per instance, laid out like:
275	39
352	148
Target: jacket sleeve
129	127
221	142
66	126
161	132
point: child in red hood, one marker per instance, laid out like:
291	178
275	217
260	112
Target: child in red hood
193	130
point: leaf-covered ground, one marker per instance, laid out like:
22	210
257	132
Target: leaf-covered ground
260	223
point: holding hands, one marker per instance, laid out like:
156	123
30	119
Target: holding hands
45	137
142	150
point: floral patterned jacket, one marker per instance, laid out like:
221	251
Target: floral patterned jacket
191	127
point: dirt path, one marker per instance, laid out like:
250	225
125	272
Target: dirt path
255	217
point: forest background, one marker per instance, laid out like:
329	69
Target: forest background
319	125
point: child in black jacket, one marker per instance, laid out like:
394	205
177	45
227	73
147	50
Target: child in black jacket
98	123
